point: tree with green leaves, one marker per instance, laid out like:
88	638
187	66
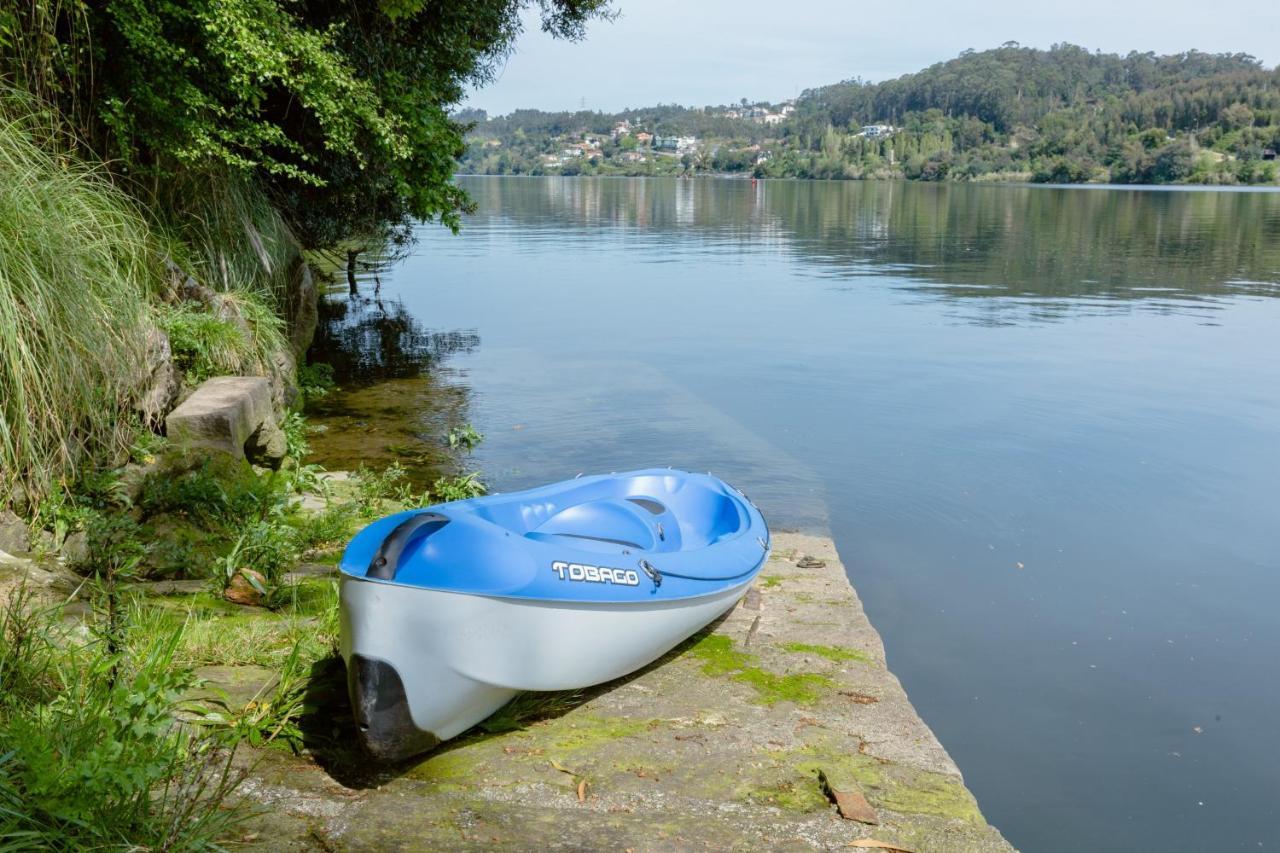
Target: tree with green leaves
340	110
1013	113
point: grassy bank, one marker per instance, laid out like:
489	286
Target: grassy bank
77	272
124	721
87	277
109	738
93	755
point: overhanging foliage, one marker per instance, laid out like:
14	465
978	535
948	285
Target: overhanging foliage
340	109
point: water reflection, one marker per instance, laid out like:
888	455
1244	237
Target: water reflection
1039	423
1065	249
396	396
367	340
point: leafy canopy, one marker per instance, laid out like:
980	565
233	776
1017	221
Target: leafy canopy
341	109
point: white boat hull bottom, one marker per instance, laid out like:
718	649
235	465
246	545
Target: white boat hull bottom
424	666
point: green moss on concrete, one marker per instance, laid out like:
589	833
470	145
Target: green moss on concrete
839	654
641	767
577	732
719	657
804	688
795	795
891	786
863	769
530	707
789	779
935	794
450	787
457	768
771	581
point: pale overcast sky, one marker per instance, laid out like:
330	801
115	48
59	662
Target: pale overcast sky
698	52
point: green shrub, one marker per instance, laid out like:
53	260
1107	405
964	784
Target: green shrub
295	436
146	446
67	509
271	548
266	327
306	478
176	555
196	494
28	654
316	380
241	338
101	489
457	488
261	556
215	492
373	487
203	345
334	526
93	756
272	715
77	266
228	234
60	513
465	438
115	542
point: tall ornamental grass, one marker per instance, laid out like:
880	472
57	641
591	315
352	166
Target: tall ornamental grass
77	264
223	230
228	233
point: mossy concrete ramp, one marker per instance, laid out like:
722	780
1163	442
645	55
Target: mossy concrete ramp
745	738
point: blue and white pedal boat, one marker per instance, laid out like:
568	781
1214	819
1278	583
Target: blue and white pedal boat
450	611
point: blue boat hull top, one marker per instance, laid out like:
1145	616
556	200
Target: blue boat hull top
448	611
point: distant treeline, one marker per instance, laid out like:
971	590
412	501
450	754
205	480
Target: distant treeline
1062	115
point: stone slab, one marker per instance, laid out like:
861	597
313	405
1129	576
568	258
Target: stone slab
720	745
230	414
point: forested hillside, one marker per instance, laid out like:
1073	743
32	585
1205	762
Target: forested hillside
1063	115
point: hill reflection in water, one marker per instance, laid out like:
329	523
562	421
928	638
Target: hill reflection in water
1035	250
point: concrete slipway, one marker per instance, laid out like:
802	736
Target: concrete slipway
755	735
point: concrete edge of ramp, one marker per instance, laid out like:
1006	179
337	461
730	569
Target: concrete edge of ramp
779	728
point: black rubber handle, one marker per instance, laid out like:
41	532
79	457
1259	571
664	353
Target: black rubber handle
387	560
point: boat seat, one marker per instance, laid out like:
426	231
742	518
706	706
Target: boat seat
610	523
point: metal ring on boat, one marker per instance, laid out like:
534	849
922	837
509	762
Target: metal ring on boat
653	573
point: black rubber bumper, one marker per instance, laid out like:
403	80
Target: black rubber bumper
382	711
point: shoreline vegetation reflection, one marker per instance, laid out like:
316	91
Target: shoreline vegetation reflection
395	397
961	242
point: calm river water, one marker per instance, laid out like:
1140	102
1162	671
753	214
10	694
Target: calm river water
1043	425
